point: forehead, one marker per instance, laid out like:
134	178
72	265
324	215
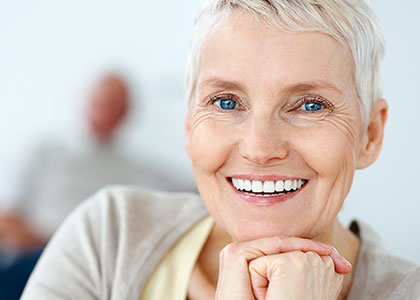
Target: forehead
242	50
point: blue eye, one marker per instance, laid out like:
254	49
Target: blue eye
312	106
226	104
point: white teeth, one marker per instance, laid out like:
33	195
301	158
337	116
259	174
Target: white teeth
235	182
279	186
288	185
248	185
268	186
257	186
241	184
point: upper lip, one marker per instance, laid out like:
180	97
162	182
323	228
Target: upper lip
265	177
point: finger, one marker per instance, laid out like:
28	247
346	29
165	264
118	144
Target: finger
259	283
277	276
342	265
336	282
266	271
273	245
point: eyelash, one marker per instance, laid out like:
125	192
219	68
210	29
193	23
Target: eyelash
212	99
305	99
308	99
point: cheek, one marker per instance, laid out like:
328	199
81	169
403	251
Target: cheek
330	147
210	145
335	165
330	152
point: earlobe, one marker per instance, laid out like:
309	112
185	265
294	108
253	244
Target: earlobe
371	143
187	131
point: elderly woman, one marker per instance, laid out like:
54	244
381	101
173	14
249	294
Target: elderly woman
284	105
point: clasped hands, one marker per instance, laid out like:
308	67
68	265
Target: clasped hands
280	269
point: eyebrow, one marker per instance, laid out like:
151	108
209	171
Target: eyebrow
291	89
313	85
220	83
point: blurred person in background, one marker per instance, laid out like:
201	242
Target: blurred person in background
61	174
58	177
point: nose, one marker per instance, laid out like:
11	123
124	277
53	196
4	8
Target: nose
263	141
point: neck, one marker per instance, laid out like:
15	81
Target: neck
336	235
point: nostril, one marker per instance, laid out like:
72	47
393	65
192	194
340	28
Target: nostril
263	155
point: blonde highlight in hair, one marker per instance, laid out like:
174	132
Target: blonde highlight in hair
351	22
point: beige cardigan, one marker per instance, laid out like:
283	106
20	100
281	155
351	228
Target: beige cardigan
109	246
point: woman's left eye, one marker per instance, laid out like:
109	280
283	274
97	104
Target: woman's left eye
226	104
311	106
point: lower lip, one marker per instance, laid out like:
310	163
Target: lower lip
266	201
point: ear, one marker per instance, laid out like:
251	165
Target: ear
371	140
187	134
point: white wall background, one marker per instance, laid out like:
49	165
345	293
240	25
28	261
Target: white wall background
50	51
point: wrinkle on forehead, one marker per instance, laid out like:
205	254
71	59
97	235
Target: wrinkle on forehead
315	85
240	51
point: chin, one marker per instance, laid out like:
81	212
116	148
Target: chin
253	227
258	229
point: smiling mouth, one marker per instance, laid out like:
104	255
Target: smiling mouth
267	188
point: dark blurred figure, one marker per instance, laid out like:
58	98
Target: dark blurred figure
13	278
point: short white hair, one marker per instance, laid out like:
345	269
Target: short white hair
350	22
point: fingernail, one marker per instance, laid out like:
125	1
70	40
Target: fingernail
342	257
347	262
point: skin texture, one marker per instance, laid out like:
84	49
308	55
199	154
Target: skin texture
268	73
284	271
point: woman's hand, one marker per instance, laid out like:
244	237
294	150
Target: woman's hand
263	255
295	275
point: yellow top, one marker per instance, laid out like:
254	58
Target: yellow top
171	278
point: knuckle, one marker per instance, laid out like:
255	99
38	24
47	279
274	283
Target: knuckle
313	258
311	255
279	240
277	269
298	258
232	249
328	263
228	250
254	265
292	241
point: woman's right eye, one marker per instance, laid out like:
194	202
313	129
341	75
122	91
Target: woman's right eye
226	104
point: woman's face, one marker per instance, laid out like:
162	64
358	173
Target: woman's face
274	129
